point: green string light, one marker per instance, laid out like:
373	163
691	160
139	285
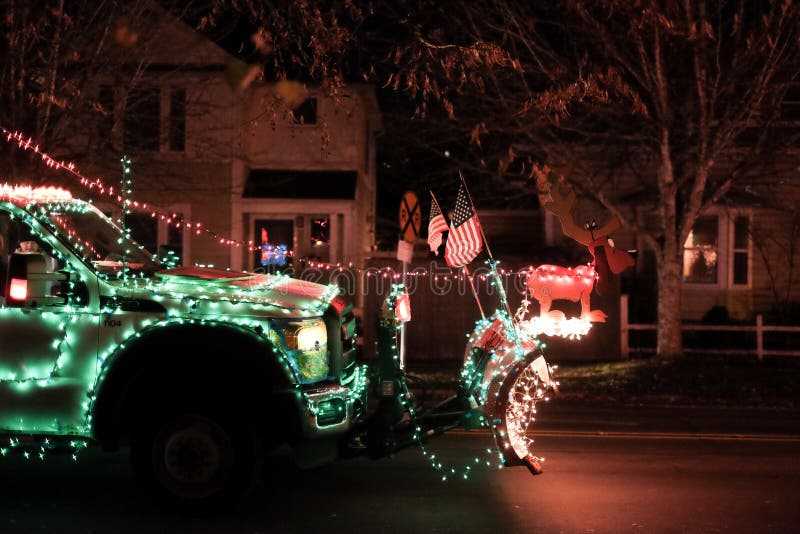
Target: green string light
407	401
209	303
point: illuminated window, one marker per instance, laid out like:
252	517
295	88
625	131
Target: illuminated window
701	251
717	251
274	240
320	232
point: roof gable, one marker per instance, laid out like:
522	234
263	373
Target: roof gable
166	40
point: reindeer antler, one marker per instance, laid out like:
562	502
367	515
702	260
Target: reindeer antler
561	206
605	257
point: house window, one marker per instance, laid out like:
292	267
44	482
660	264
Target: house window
740	264
274	240
320	237
144	230
717	251
701	251
142	124
177	119
158	237
306	113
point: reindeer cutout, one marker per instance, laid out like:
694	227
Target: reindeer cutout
551	282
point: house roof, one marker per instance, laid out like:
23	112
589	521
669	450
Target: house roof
272	183
170	39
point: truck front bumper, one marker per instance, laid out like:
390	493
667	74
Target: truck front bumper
329	412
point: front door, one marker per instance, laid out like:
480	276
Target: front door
274	242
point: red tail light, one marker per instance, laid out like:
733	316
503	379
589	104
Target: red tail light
402	308
18	289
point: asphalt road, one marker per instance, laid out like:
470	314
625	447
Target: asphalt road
606	470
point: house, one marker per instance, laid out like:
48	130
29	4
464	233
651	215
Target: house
311	180
253	163
741	255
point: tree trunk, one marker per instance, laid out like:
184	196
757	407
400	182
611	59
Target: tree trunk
669	344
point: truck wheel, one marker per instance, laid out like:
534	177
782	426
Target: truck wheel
197	459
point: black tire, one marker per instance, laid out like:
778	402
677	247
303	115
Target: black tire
196	458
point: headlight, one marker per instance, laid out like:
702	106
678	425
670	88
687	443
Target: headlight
307	342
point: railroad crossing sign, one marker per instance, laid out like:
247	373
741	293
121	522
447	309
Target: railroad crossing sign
410	217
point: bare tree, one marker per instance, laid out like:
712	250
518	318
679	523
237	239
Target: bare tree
86	81
54	54
660	110
656	110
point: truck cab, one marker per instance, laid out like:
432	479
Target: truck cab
199	371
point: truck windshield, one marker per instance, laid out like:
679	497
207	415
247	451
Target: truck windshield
99	241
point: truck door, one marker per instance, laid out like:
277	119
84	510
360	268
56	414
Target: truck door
47	347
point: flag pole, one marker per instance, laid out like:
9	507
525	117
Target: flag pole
466	271
499	282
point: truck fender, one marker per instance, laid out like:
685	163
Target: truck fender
226	358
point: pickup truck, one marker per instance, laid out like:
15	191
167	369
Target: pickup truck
201	371
197	370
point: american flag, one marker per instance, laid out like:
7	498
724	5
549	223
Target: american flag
465	241
436	227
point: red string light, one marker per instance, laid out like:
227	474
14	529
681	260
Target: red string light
97	186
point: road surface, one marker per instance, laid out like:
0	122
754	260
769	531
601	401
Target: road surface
606	470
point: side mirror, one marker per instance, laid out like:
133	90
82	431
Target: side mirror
31	284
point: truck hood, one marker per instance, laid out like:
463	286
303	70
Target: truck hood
202	291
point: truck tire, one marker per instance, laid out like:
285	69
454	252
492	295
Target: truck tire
196	458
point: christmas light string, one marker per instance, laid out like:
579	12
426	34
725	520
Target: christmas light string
37	446
41	448
516	400
98	186
520	412
41	208
407	402
389	272
508	382
121	196
509	354
517	416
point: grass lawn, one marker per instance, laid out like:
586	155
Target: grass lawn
687	380
690	380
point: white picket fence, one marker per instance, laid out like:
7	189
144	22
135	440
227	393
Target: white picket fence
759	328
